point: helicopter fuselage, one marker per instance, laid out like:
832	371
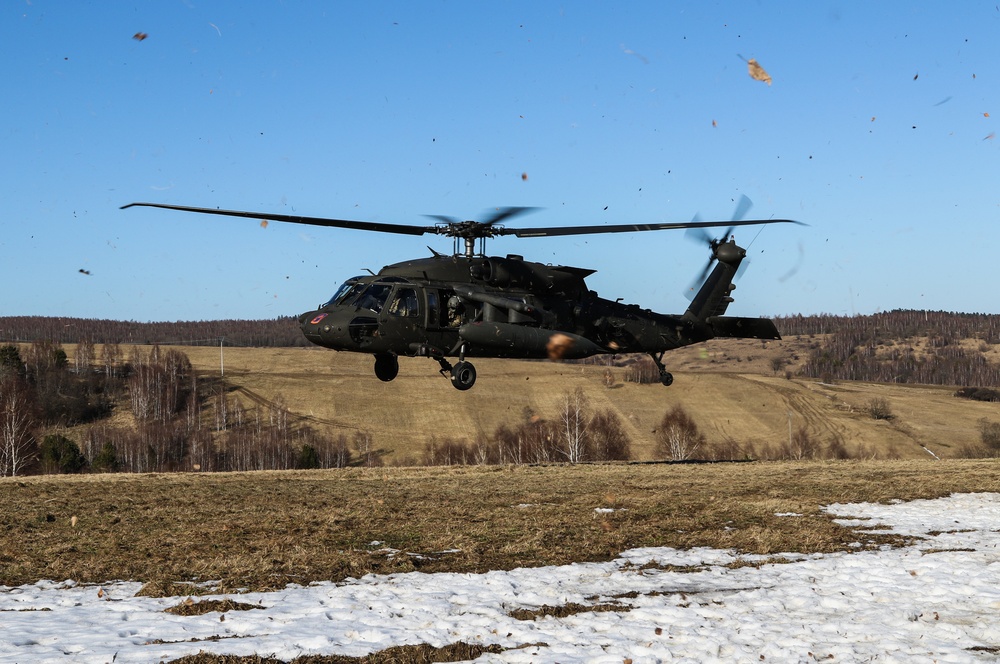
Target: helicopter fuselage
455	306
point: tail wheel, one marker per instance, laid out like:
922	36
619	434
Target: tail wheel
463	375
386	366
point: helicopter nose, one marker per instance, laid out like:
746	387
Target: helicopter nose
335	329
323	328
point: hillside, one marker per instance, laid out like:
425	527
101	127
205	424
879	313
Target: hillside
728	387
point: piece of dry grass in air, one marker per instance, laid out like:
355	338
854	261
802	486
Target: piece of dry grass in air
757	72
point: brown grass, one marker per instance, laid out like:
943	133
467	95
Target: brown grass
264	530
418	654
727	386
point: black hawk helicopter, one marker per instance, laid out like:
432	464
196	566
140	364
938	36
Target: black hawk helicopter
469	304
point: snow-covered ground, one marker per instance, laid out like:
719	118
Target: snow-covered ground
936	601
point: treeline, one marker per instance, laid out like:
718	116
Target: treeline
278	332
898	324
284	331
856	356
181	421
881	348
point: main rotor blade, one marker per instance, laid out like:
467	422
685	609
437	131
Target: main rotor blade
630	228
444	219
399	229
506	213
496	217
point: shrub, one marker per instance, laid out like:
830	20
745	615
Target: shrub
729	449
106	460
10	361
801	445
308	458
608	439
59	454
978	394
989	434
879	409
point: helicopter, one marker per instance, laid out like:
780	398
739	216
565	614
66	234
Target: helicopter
470	305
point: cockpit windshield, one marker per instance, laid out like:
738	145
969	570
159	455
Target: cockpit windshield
348	291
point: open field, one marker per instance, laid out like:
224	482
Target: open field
264	530
727	386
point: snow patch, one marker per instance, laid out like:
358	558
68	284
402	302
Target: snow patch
933	601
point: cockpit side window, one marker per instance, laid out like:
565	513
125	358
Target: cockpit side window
404	303
374	297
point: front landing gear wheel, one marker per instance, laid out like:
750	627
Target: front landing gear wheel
386	367
463	375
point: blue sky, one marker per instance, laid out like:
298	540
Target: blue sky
876	131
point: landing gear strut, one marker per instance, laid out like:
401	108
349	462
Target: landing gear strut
666	377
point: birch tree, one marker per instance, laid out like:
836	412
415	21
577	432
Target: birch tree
574	422
17	426
678	438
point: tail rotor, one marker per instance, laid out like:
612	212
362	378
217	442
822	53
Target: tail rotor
722	248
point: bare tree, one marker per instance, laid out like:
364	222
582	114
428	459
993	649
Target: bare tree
84	357
112	360
17	426
368	456
678	437
608	439
574	421
801	445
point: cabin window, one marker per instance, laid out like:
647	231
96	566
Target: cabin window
432	308
404	303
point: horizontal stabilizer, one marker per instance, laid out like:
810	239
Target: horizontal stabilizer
743	328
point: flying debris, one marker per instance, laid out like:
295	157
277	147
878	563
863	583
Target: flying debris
757	72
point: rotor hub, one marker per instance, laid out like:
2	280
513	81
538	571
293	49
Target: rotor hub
729	252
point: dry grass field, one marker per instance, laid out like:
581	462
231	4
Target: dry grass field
265	530
728	387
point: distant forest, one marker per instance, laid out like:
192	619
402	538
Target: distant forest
876	347
880	348
280	332
284	331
